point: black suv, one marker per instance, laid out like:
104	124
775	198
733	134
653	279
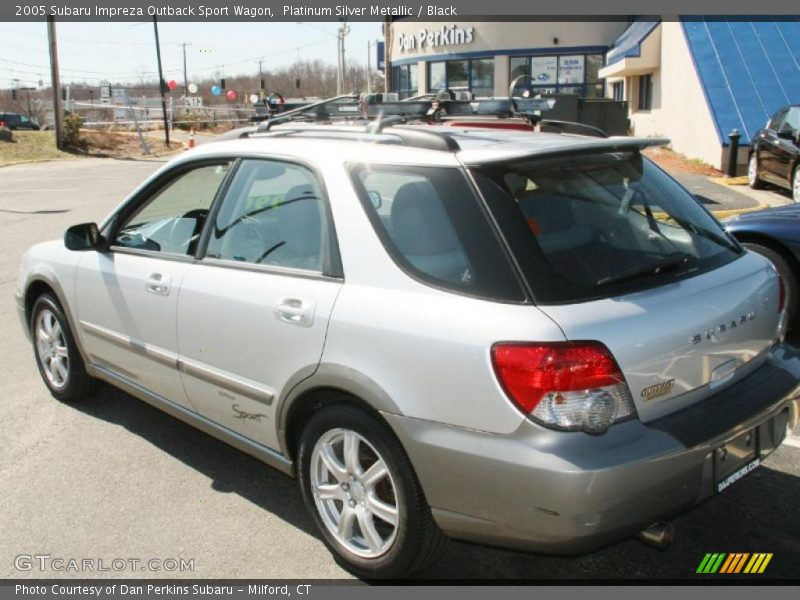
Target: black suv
775	155
16	121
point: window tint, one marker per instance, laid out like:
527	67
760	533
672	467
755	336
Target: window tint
172	219
273	214
600	225
432	224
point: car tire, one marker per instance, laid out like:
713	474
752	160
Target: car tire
344	494
790	280
752	173
60	363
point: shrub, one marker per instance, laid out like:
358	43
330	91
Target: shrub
6	135
72	130
199	119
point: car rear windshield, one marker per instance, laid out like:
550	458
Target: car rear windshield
598	225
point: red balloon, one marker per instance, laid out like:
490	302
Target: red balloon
172	84
231	95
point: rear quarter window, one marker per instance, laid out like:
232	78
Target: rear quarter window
431	223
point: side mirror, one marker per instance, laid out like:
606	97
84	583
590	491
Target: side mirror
787	134
85	236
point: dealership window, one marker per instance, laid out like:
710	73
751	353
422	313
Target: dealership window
475	75
561	74
405	80
618	90
645	92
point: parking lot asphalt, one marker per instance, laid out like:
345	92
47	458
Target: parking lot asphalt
110	477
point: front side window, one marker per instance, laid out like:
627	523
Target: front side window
600	225
171	220
273	214
431	223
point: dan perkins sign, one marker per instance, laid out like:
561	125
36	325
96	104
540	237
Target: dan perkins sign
436	38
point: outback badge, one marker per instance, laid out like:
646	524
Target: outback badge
659	389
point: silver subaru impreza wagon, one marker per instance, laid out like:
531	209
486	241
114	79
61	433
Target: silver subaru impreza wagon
527	339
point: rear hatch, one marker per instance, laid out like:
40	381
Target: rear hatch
679	343
614	250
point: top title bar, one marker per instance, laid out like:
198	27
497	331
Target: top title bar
364	10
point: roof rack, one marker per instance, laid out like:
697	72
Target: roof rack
379	115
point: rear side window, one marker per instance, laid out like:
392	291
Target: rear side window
600	225
431	223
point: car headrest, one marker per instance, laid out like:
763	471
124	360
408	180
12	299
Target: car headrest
419	223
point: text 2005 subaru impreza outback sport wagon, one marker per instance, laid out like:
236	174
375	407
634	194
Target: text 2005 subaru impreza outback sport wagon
532	340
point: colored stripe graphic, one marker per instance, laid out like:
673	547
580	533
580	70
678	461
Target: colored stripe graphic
724	563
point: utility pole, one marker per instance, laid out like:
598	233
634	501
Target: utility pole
343	31
161	84
58	116
185	77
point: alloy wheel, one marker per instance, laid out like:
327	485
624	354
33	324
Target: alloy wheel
51	347
354	493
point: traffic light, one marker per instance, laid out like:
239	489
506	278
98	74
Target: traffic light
64	94
164	87
263	83
13	94
222	83
297	83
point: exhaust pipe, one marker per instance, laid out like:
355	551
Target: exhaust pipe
658	535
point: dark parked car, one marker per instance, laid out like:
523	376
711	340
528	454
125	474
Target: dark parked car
775	233
775	155
17	121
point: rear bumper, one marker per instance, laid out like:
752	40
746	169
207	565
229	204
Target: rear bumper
569	492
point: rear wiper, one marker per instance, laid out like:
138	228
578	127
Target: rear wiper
671	261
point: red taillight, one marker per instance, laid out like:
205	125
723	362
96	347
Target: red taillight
529	371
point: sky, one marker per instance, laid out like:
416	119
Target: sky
93	52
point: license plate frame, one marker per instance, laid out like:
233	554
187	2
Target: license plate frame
735	459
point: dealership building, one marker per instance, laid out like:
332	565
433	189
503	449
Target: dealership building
692	80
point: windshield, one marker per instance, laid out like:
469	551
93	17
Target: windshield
597	225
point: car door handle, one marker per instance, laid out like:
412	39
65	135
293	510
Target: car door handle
158	283
296	311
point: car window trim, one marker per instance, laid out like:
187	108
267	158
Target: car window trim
116	219
332	268
224	263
